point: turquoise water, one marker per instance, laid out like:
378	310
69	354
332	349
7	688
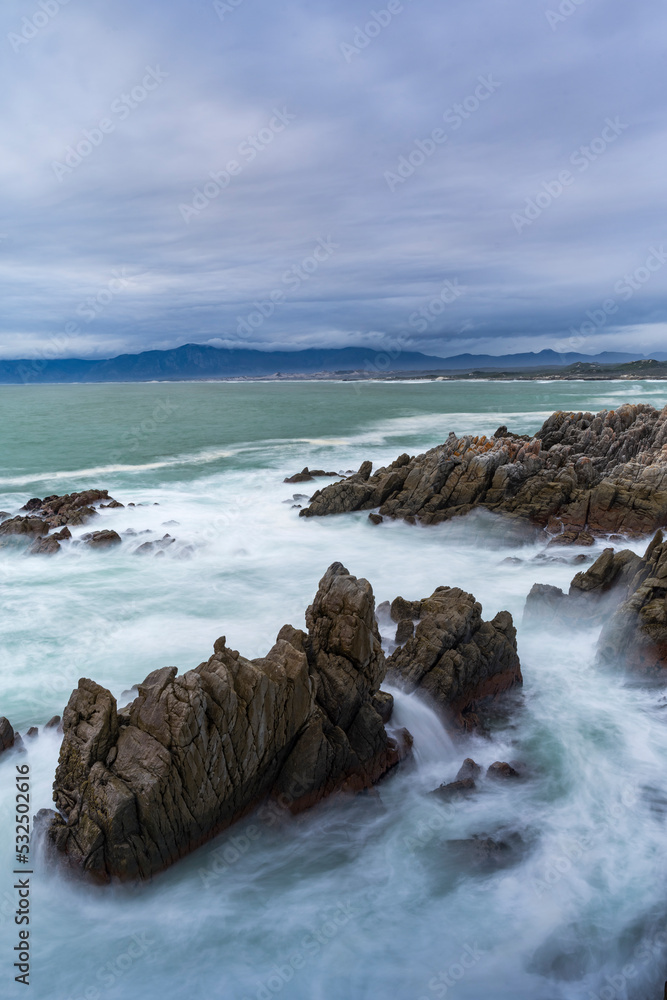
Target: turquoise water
367	896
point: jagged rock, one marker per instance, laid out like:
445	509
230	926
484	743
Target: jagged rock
468	769
139	788
582	476
405	631
500	769
155	547
53	723
383	703
375	518
7	735
32	732
592	595
45	546
636	634
24	526
307	475
4	514
102	539
112	503
454	657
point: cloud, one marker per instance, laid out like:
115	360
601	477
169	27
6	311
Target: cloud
296	117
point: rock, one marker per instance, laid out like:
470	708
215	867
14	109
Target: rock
307	475
45	546
33	504
24	526
468	769
375	518
501	770
454	657
405	631
102	539
383	703
4	515
7	735
636	634
402	610
112	503
32	732
193	753
485	853
455	788
155	547
63	534
582	476
53	723
592	596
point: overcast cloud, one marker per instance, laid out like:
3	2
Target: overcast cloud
350	188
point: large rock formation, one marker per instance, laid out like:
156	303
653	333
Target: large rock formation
636	634
454	657
140	787
582	475
593	594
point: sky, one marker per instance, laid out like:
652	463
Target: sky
451	176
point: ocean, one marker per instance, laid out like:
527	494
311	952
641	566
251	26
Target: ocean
361	899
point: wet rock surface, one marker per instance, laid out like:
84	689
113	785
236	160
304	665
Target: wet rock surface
41	519
7	735
581	476
138	788
454	657
636	634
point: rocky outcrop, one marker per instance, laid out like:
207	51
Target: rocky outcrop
636	634
138	788
7	735
581	476
38	519
592	596
454	657
308	475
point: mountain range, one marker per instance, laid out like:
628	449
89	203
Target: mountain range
196	361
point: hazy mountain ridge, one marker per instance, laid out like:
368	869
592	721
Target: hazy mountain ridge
197	361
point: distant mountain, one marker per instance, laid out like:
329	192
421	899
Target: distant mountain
196	361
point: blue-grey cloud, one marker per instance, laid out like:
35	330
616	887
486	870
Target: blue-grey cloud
301	175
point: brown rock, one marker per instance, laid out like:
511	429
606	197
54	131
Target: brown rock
193	753
405	631
53	723
7	735
32	732
455	788
456	658
581	476
501	770
468	769
375	518
24	526
102	539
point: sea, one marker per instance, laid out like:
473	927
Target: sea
379	897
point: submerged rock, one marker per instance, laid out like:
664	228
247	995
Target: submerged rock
57	512
137	789
454	657
581	476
